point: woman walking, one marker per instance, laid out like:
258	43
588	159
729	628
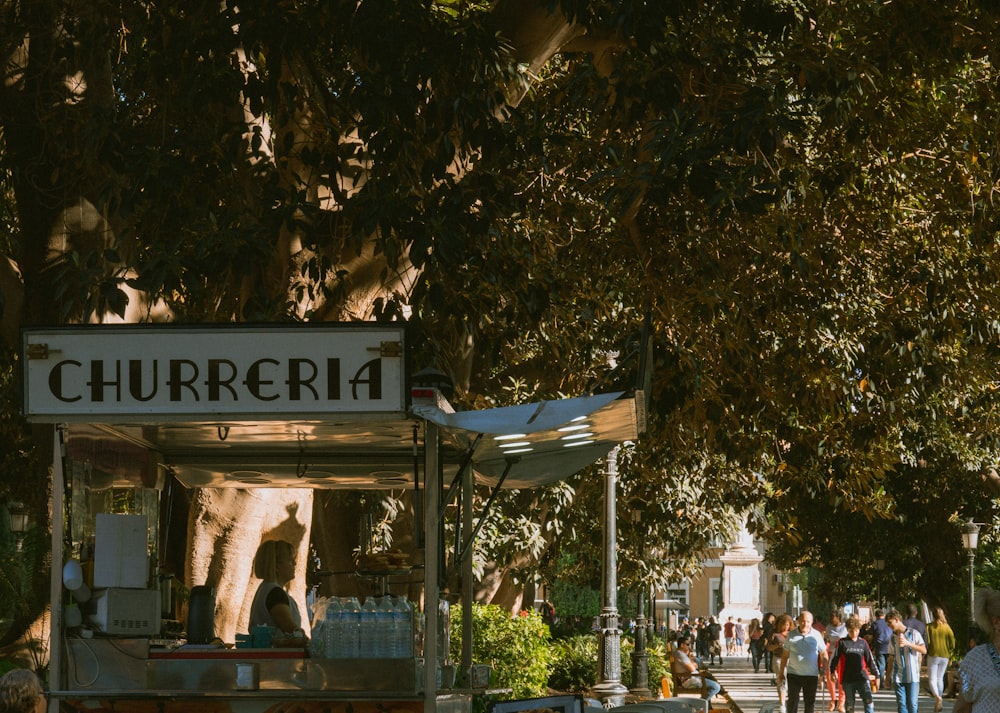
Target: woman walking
940	646
756	633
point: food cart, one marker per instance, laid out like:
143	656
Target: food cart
272	406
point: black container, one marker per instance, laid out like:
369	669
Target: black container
201	615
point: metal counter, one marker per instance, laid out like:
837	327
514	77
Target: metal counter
113	675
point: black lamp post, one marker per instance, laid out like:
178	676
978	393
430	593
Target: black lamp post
879	566
640	659
609	688
19	520
970	541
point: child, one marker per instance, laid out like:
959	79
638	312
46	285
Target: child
852	664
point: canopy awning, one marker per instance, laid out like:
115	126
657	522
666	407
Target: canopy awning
540	443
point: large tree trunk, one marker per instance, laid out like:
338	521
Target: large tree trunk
225	528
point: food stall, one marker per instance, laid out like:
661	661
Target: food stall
331	406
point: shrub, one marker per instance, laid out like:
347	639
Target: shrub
517	648
574	664
574	667
657	662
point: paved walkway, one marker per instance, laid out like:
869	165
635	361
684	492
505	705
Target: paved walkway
750	692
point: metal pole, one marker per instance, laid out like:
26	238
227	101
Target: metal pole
432	481
57	628
467	580
972	587
640	659
609	688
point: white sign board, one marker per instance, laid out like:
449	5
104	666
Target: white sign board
207	373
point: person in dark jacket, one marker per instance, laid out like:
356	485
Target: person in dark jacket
881	636
851	665
714	643
767	634
913	621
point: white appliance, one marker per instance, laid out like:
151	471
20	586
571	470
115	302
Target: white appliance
127	612
121	557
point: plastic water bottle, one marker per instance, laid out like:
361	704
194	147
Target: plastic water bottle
402	629
383	627
368	610
318	639
351	626
333	629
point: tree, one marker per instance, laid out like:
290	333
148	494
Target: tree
800	195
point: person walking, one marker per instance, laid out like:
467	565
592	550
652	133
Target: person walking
803	657
714	640
903	662
881	636
756	633
768	632
740	635
701	638
980	674
835	631
729	633
913	620
782	625
851	664
940	647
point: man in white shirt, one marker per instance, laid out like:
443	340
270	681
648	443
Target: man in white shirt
903	664
802	659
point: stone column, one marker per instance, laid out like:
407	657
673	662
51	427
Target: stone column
741	580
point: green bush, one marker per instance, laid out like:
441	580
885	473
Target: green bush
657	658
524	657
574	664
518	648
574	668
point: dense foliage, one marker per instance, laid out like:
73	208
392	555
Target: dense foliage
801	195
574	667
517	648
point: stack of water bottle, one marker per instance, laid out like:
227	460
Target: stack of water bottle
380	628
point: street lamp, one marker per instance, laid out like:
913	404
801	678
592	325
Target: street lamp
879	566
640	659
19	519
609	688
970	540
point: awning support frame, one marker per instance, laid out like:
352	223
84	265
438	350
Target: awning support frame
467	547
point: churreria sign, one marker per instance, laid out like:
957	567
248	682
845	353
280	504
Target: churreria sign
237	372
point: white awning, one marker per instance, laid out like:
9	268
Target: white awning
542	442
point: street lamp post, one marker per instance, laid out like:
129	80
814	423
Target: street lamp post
970	540
19	519
640	659
879	566
609	688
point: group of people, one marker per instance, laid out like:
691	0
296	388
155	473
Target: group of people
704	634
734	633
855	661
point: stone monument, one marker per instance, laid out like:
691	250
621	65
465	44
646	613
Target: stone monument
741	580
